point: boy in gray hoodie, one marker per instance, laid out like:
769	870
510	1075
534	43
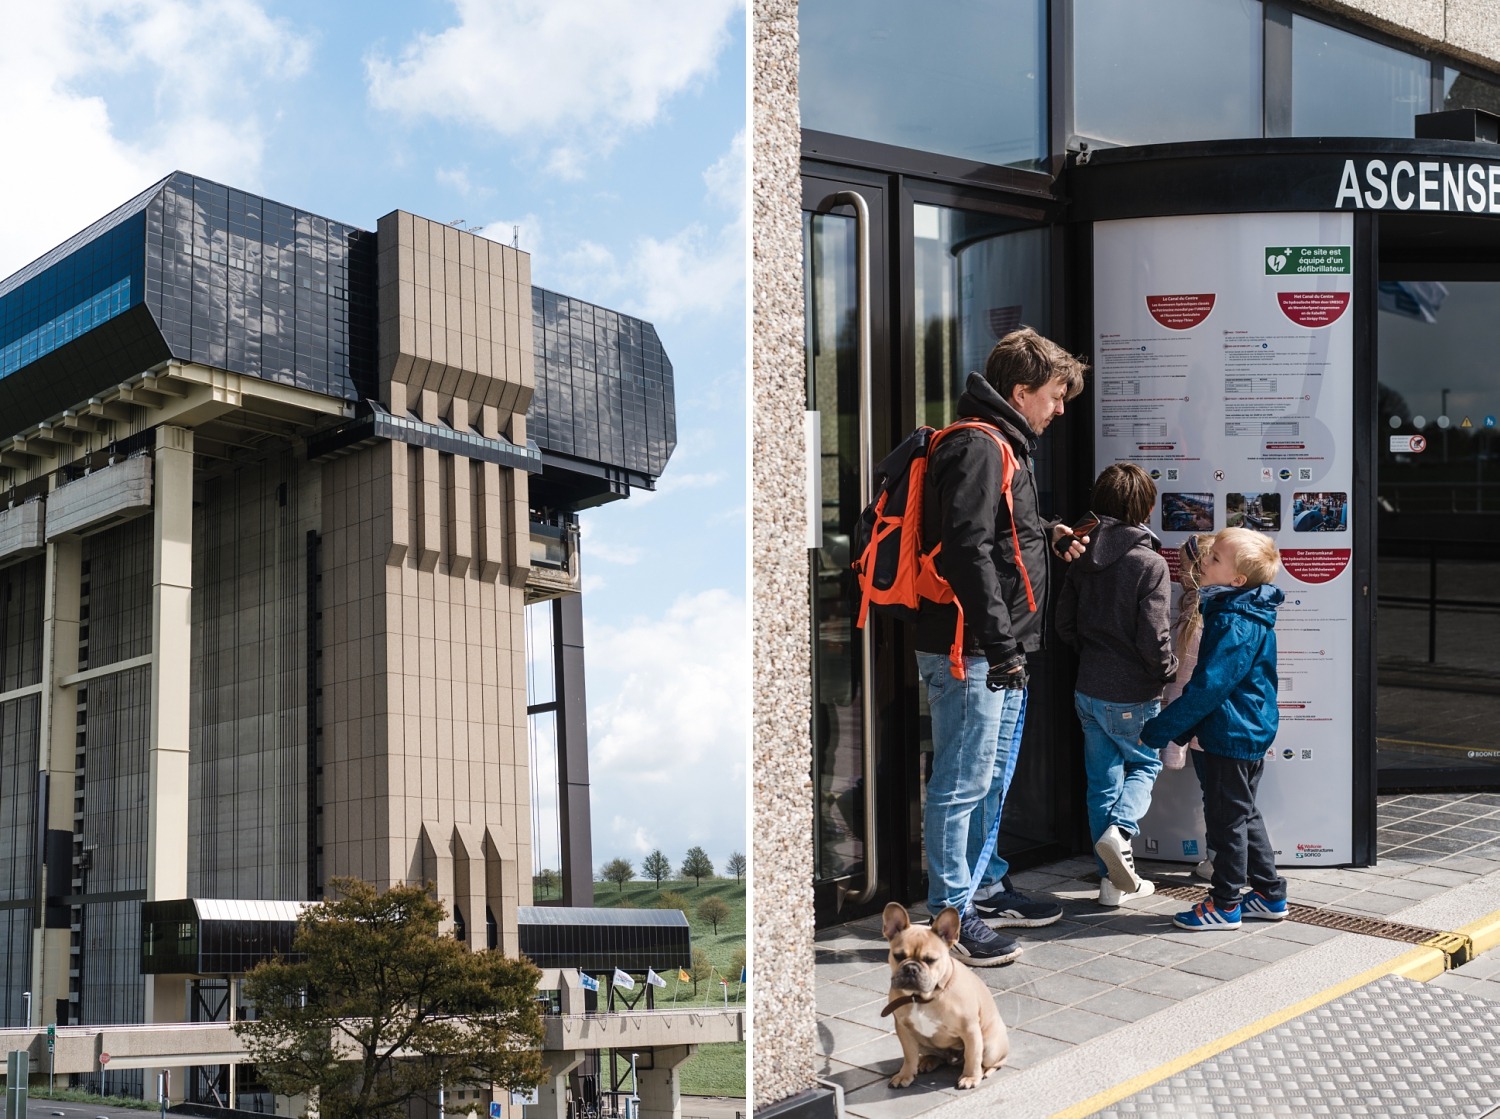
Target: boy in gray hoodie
1114	609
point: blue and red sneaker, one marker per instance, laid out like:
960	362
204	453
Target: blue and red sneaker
1255	904
1207	917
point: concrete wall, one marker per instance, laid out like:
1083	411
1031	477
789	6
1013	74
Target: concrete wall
781	847
1466	29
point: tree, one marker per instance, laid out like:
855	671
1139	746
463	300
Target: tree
671	899
375	1009
657	866
702	968
713	910
737	962
736	865
619	871
547	880
697	865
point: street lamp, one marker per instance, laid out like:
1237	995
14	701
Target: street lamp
27	996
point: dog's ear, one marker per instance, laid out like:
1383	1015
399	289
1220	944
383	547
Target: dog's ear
895	920
946	925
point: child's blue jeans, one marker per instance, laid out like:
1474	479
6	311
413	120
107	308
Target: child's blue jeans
1121	772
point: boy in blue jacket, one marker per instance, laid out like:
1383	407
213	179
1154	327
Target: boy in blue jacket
1230	706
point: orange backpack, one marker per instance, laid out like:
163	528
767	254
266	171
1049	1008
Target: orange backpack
893	570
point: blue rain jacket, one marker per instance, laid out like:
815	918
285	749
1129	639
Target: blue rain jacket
1230	702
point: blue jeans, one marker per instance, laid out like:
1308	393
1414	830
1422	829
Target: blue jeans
972	728
1121	772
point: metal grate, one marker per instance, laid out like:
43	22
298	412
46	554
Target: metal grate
1329	919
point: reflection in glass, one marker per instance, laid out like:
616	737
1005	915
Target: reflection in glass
1464	91
1343	85
833	392
1166	71
1438	650
965	78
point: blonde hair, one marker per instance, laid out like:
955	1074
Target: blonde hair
1190	557
1255	555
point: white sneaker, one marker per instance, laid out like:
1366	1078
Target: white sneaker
1111	897
1205	869
1115	850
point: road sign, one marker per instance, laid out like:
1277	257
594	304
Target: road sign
495	1110
103	1059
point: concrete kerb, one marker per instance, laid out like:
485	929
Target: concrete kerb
1102	1071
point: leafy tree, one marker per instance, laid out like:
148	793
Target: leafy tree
376	1009
701	969
713	910
697	865
736	865
657	866
548	882
619	871
737	962
671	899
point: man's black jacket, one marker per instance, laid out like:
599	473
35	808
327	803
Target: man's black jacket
964	508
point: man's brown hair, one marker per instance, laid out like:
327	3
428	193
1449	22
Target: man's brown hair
1024	357
1125	492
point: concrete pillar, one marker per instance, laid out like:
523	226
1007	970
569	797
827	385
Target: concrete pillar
658	1085
552	1094
572	751
171	651
59	745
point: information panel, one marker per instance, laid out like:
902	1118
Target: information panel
1224	367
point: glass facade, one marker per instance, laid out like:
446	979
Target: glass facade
964	78
541	722
1347	85
1166	71
603	386
604	939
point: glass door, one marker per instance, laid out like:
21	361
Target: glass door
1438	497
846	332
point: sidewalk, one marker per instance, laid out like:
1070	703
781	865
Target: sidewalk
1108	1003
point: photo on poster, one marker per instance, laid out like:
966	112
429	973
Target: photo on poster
1260	511
1320	512
1187	512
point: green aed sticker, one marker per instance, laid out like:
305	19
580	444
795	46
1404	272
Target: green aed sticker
1307	260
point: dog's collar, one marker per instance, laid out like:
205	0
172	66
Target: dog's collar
896	1004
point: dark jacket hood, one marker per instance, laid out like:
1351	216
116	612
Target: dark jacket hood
980	401
1112	540
1258	603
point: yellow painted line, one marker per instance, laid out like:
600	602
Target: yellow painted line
1419	963
1483	934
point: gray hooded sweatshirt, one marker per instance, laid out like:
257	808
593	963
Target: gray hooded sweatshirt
1114	609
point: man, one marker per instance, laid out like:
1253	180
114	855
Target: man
1027	379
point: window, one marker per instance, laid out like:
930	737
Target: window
963	78
1344	85
1167	71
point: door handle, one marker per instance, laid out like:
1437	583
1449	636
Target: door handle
866	474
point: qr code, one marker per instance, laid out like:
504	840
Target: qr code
1173	473
1307	755
1304	474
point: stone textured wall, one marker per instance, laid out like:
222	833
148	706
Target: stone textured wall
785	1021
1466	29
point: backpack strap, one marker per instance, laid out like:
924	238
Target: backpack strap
1008	472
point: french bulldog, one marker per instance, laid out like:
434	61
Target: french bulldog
944	1013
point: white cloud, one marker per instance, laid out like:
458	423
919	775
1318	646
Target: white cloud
524	232
202	65
668	715
697	270
578	72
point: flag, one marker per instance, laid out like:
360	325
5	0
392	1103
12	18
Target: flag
654	979
623	980
723	983
742	974
588	981
684	976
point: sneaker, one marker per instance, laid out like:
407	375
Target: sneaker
1114	848
979	947
1255	904
1205	870
1111	897
1207	917
1009	908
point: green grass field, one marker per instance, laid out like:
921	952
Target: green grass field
715	1070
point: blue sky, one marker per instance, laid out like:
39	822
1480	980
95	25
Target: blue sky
611	133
